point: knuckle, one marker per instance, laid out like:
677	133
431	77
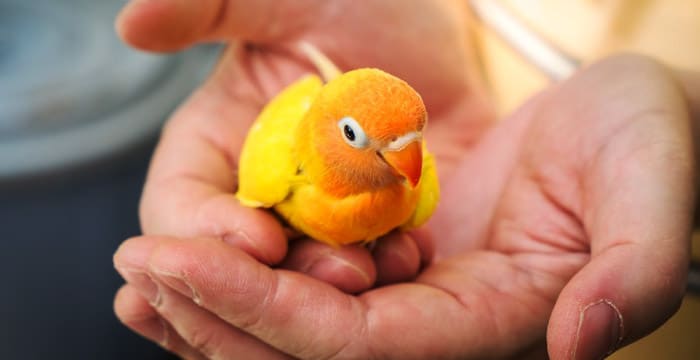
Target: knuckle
206	341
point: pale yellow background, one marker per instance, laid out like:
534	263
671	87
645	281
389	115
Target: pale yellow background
668	30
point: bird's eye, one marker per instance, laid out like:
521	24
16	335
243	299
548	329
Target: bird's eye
352	132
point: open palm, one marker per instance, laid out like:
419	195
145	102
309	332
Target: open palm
189	191
545	214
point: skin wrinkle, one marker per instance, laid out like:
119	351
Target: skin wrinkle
372	351
459	299
492	312
632	154
362	333
303	304
509	229
253	315
526	281
205	342
351	266
249	73
252	322
232	61
344	346
498	328
502	311
532	274
222	149
549	238
267	68
488	285
572	212
219	17
621	129
194	295
203	221
623	125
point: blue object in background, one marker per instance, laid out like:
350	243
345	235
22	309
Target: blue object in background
58	283
79	116
71	93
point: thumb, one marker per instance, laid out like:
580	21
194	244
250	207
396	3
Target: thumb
167	25
639	223
638	192
619	297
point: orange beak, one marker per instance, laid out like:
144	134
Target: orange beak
408	161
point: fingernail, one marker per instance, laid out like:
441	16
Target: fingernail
176	282
397	258
143	283
333	264
599	331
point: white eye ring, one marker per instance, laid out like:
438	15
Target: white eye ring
352	133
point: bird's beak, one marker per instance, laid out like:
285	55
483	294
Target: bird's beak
408	161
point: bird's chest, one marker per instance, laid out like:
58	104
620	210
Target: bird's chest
355	218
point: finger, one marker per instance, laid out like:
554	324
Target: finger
425	243
178	324
637	213
247	295
135	312
398	258
190	185
206	332
349	268
164	25
478	313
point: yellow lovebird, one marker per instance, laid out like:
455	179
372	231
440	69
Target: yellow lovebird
342	162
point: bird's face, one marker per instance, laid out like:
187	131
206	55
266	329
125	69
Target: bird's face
368	129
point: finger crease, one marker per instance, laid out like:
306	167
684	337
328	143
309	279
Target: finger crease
219	17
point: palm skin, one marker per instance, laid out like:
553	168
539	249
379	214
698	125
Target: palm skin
192	177
584	196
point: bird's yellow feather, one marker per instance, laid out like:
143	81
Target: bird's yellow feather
295	161
268	164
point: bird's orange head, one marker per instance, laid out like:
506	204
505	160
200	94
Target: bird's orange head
367	125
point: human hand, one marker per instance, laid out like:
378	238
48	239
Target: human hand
571	219
190	186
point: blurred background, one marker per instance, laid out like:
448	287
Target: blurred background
80	114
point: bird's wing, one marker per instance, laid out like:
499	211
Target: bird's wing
268	165
428	193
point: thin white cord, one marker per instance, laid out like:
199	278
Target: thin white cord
323	64
550	60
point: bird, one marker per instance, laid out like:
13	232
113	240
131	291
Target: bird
341	159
